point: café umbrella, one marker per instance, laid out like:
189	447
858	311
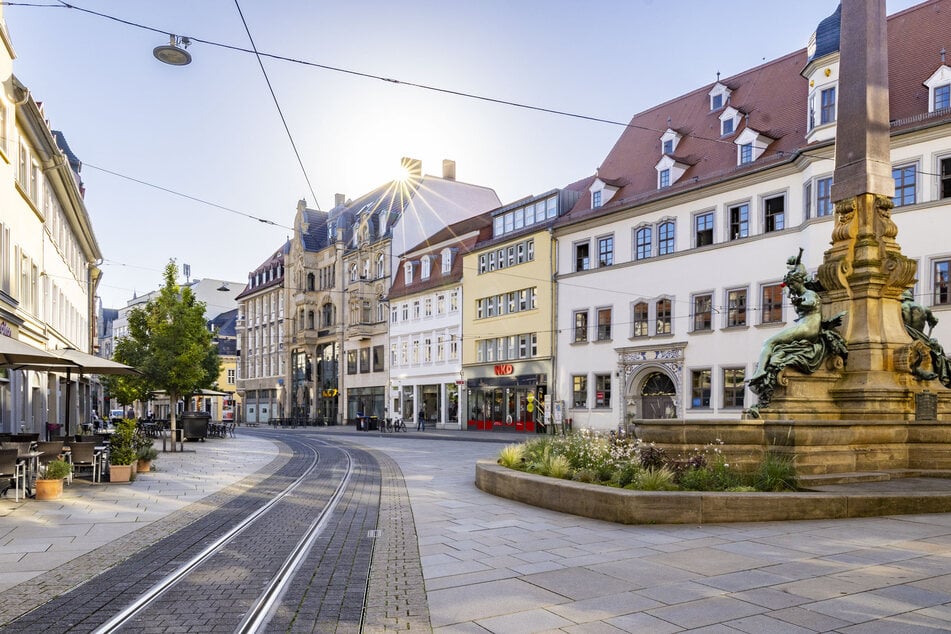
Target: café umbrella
16	355
89	364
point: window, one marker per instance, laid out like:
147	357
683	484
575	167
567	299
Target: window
945	178
663	178
579	391
231	375
665	238
643	238
942	282
703	312
426	267
640	319
606	251
446	261
746	153
663	317
733	388
604	324
596	199
310	281
772	304
416	311
942	97
428	307
602	391
669	146
703	229
824	205
408	271
736	308
700	388
904	185
582	256
739	221
716	101
827	107
404	309
380	267
581	326
726	126
364	360
351	361
774	210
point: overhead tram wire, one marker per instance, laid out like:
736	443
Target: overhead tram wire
186	196
458	93
277	104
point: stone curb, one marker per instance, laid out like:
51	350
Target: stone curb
695	507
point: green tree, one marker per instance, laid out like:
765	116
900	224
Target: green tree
170	344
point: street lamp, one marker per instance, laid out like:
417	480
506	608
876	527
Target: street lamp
174	53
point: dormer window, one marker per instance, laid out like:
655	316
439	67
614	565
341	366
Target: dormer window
669	146
939	89
728	121
426	267
750	145
669	171
719	96
446	261
602	191
669	141
381	222
408	273
380	268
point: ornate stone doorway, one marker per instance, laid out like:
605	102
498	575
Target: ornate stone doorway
658	396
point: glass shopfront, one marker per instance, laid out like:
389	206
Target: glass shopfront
365	401
505	403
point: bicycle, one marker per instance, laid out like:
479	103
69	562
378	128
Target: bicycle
398	424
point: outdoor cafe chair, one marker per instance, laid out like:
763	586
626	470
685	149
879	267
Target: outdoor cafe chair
15	470
50	451
84	456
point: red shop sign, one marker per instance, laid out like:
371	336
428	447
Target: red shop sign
504	369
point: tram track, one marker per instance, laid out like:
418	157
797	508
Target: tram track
236	577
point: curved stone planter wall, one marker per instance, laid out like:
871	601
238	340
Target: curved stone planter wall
694	507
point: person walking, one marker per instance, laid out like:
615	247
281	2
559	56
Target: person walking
421	421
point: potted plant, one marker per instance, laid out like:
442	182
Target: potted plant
50	485
122	452
145	454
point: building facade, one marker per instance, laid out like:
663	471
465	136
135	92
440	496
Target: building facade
508	351
49	257
670	266
425	329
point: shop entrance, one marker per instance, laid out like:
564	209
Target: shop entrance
658	397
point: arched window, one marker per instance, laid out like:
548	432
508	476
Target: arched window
327	315
353	272
310	281
366	269
380	268
310	320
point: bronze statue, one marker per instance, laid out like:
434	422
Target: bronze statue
916	316
804	344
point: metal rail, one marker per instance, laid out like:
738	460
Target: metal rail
260	613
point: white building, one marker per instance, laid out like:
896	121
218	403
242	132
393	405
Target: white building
49	256
669	270
425	329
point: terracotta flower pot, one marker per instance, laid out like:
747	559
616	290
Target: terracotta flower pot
120	473
49	489
143	466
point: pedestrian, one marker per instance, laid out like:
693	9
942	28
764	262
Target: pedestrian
421	421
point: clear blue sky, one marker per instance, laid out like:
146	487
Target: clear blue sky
210	129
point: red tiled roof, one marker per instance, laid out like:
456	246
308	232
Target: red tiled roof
774	96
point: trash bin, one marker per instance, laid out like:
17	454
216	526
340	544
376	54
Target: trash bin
195	425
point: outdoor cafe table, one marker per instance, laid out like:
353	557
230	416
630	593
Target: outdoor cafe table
32	462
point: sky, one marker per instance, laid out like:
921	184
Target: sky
154	138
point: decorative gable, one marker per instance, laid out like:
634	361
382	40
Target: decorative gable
719	96
939	89
750	145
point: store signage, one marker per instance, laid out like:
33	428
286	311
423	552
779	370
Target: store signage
329	393
5	330
504	369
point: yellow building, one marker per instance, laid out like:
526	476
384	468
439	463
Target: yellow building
507	314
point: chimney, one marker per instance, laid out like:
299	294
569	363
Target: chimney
449	170
413	167
339	200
